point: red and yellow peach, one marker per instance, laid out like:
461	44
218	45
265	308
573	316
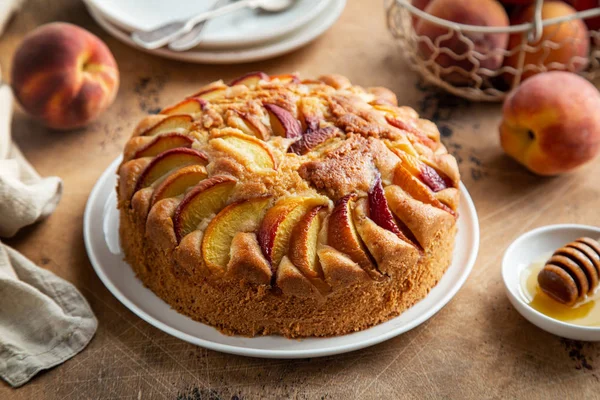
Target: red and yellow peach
551	123
64	76
488	47
569	48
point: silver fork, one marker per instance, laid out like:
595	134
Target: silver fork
163	35
193	37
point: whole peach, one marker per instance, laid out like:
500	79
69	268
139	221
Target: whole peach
64	76
487	48
570	47
551	123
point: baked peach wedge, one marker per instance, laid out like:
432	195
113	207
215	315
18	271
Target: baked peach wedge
342	236
434	179
188	106
179	182
247	123
283	123
251	79
393	253
312	139
172	123
206	199
147	146
241	216
248	150
417	189
303	243
285	78
168	161
424	220
276	228
380	213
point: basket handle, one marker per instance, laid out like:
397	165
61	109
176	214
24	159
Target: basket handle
537	29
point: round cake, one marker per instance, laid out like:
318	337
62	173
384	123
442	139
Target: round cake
275	205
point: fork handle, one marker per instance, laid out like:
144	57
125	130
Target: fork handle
194	36
218	12
165	34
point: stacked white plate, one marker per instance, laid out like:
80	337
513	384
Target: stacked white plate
243	36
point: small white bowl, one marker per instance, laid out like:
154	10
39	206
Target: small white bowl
528	248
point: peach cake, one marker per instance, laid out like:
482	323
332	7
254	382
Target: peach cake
275	205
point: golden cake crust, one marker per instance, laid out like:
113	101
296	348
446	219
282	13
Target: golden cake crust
276	205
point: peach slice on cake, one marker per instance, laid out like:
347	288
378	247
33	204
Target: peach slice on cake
163	143
311	111
173	123
248	149
276	229
249	124
178	182
211	94
168	161
211	91
342	236
380	213
251	79
286	78
187	106
241	216
391	252
436	181
303	243
413	131
311	139
283	123
206	199
417	189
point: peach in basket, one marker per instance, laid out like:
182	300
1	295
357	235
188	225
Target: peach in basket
562	46
453	56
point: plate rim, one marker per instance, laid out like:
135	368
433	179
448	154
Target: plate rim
270	353
288	43
253	40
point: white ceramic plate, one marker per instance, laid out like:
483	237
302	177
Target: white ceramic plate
101	236
285	44
243	28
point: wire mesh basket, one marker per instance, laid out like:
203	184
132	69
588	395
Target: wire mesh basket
465	70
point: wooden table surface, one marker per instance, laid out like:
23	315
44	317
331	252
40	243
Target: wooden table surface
478	346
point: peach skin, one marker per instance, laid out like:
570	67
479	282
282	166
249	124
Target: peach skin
551	123
570	45
64	76
488	47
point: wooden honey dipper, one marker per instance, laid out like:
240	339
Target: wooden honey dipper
572	272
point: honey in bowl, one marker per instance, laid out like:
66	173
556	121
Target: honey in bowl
586	312
564	285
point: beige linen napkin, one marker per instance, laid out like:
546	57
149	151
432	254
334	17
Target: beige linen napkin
7	8
44	320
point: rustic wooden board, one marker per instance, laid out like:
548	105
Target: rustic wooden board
476	347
